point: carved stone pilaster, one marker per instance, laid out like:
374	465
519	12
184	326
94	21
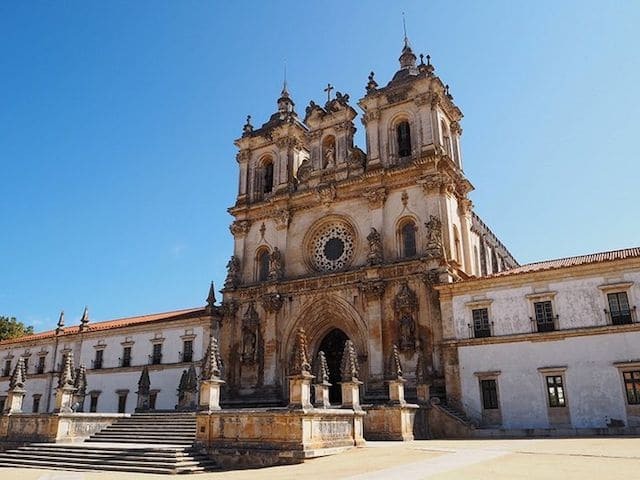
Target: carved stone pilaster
465	206
372	289
375	196
240	228
272	302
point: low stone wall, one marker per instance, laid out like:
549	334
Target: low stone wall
21	428
262	437
390	422
444	425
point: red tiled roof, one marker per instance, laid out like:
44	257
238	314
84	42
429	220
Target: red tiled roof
569	262
109	324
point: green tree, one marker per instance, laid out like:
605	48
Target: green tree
12	328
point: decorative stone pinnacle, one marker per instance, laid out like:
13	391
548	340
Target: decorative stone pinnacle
80	380
84	321
66	375
212	369
60	326
144	384
321	369
300	360
395	365
349	365
19	376
211	298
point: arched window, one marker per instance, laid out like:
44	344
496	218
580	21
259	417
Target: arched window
456	245
446	138
403	134
408	239
267	176
262	265
328	151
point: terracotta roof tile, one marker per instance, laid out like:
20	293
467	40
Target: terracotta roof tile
109	324
569	262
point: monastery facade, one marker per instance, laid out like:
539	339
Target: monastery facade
378	245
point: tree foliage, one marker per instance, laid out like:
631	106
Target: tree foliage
12	328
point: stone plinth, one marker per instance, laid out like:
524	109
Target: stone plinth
396	391
300	391
390	422
423	392
262	437
64	399
13	402
321	395
210	395
351	395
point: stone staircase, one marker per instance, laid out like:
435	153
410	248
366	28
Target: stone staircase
142	443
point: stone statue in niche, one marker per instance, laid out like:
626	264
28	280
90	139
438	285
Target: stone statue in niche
276	265
250	335
375	247
406	305
329	157
407	332
233	273
434	237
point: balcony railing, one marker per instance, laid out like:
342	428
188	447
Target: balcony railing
546	325
155	359
480	331
186	356
621	317
39	369
96	364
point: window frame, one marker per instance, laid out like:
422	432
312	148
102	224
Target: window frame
262	263
618	288
479	304
539	298
555	372
403	224
401	138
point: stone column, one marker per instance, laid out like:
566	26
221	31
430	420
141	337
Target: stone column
350	383
211	380
16	392
300	378
321	388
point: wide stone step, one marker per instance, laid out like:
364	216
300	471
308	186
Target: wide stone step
109	433
166	462
53	465
143	440
177	453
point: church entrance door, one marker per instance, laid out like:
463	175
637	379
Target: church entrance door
332	345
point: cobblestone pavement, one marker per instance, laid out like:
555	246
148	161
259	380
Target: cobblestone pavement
567	459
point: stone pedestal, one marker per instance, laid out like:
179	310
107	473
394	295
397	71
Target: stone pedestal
321	394
64	399
390	422
396	392
13	402
300	391
423	392
143	402
210	395
351	395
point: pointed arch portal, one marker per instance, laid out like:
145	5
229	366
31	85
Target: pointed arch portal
333	345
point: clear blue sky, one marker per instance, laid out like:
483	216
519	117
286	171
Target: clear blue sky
117	123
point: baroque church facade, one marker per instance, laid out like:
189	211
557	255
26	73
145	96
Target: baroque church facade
348	243
378	245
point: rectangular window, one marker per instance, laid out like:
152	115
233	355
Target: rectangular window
97	363
156	357
40	367
126	357
36	403
619	308
187	351
544	316
122	402
632	386
481	328
7	368
555	391
93	407
489	389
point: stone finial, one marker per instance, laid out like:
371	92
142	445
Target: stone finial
212	368
248	128
66	375
80	380
84	321
321	369
60	326
211	298
191	380
372	85
349	365
144	384
300	360
18	377
395	365
233	273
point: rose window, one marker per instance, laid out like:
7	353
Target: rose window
332	247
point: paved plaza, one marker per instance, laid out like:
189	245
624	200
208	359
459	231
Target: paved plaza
592	458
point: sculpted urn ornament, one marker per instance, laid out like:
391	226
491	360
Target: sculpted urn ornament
233	273
375	255
434	237
276	265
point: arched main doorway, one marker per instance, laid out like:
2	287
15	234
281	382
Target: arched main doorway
332	345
